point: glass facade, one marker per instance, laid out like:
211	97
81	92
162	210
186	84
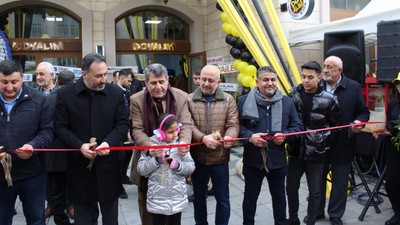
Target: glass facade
39	23
154	25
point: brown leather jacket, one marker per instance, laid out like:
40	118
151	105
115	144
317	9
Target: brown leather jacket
141	138
221	114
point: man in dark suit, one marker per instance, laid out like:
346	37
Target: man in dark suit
354	110
92	108
56	162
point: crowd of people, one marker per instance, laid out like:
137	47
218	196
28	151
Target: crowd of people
87	117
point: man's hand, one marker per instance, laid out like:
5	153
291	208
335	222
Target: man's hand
25	152
227	142
103	152
88	151
210	142
257	140
2	155
183	150
357	129
279	138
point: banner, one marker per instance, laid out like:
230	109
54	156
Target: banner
5	50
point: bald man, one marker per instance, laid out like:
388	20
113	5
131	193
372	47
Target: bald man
212	110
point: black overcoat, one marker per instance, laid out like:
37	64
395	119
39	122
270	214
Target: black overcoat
79	115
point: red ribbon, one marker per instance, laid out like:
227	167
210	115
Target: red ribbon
138	148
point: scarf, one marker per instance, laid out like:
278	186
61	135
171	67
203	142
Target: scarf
255	99
150	112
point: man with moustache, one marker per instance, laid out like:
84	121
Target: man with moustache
157	98
25	125
90	115
45	78
265	111
354	110
212	110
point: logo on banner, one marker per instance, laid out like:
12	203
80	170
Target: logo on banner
5	50
300	9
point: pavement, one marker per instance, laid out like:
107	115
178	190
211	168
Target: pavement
129	215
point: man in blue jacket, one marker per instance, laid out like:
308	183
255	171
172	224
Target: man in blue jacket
265	111
354	110
25	124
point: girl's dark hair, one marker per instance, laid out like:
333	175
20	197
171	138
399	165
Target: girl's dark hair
168	122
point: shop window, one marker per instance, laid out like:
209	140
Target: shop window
151	25
31	22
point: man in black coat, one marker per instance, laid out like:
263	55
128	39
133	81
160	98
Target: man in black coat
56	163
92	108
354	110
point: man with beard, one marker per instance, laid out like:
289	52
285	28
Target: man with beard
212	110
45	78
91	115
265	111
157	98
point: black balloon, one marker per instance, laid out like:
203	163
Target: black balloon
253	62
240	44
219	7
235	53
245	56
230	39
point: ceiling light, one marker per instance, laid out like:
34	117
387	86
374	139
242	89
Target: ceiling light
52	19
153	21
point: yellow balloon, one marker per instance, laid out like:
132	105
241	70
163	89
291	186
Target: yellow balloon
253	84
224	17
223	27
235	32
247	80
228	28
235	63
240	77
242	66
251	70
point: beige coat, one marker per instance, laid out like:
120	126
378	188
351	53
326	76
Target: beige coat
141	138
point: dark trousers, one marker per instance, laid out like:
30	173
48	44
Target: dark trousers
57	196
338	196
220	178
145	217
87	213
159	219
31	192
392	176
313	170
253	181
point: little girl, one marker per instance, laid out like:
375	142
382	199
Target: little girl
166	194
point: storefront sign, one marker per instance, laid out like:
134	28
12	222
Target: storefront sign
153	46
28	77
112	69
75	70
300	9
228	87
215	60
226	68
37	46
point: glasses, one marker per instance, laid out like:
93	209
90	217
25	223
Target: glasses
397	84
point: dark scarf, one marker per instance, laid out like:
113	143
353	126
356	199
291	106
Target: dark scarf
255	98
150	109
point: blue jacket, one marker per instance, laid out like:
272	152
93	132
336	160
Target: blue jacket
276	157
352	104
29	122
